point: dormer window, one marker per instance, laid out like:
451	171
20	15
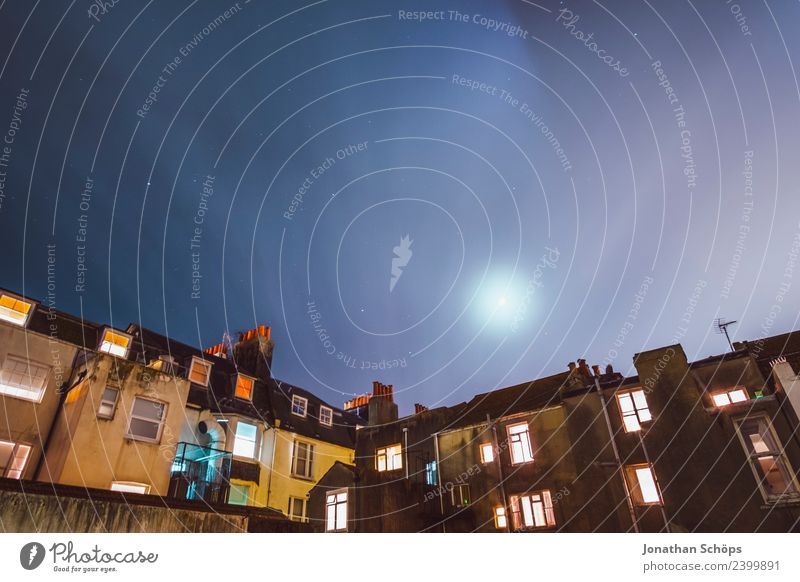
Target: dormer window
244	387
299	405
326	416
15	310
738	394
199	371
115	343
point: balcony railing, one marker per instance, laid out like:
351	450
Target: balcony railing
200	473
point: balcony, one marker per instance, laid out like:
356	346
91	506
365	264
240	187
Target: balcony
200	473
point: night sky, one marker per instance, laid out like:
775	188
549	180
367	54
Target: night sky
449	202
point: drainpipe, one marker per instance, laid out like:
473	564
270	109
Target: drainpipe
405	448
272	462
496	446
439	478
617	458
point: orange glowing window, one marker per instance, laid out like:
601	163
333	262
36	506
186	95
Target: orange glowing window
115	343
14	310
199	371
244	387
643	485
500	521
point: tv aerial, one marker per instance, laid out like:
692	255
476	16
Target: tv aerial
721	327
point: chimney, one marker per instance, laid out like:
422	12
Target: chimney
571	367
382	408
583	368
609	369
419	408
253	351
596	370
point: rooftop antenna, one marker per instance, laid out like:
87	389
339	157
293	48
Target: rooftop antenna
721	326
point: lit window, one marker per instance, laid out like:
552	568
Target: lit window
23	379
389	458
642	484
303	460
13	457
500	521
459	495
299	405
430	473
199	371
772	471
147	419
326	416
634	410
738	394
244	387
534	510
130	487
239	494
487	453
14	310
108	403
297	509
520	440
244	445
336	511
115	343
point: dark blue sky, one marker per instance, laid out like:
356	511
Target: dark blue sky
576	179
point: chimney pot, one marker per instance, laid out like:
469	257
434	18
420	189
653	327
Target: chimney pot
596	370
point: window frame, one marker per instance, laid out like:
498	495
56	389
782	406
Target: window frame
249	397
303	517
330	412
635	413
386	457
256	441
779	455
431	474
104	401
15	446
239	487
310	460
305	405
202	362
634	486
727	394
162	422
131	485
527	443
547	510
111	330
500	513
456	492
17	299
337	507
5	389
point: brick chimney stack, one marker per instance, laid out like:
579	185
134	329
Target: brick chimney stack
419	408
382	408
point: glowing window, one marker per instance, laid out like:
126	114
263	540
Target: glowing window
303	460
246	441
487	453
634	410
147	419
389	458
643	485
520	439
430	473
23	379
199	371
130	487
244	387
534	510
108	402
500	521
326	416
767	460
13	457
299	405
336	511
239	494
14	310
738	394
115	343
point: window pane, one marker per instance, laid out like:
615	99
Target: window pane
244	387
527	511
23	379
6	450
487	453
341	516
631	423
144	428
14	310
244	445
625	403
198	372
518	428
110	395
721	399
330	517
647	485
239	494
738	396
148	409
130	487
